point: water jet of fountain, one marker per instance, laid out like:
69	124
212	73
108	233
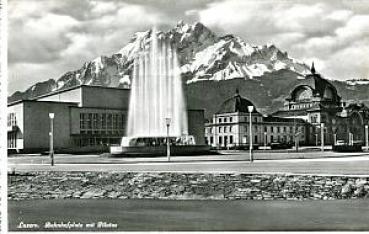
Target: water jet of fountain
156	91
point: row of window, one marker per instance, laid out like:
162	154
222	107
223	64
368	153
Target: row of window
225	119
255	119
102	121
273	129
225	140
301	106
96	141
314	119
103	132
12	119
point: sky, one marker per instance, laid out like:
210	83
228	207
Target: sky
47	38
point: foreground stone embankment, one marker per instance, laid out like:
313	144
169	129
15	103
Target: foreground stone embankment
125	185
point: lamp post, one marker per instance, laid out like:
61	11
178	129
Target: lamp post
316	139
51	134
366	137
265	140
322	136
250	109
167	121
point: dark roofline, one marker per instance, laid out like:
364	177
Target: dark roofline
77	87
36	101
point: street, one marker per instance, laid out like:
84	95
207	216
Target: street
326	163
170	215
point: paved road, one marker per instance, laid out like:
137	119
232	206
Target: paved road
158	215
338	165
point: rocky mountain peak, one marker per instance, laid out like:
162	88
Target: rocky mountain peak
202	54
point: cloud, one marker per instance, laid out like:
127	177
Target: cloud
45	40
308	30
50	37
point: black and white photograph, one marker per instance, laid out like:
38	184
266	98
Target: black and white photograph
185	115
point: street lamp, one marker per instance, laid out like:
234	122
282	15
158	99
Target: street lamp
167	121
250	109
316	139
322	136
51	134
366	137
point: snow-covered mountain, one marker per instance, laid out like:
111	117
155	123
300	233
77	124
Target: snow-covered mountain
202	56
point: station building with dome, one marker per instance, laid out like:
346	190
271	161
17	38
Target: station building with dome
229	127
311	106
317	102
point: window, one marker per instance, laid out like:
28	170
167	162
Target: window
12	119
82	121
89	120
225	129
220	129
265	129
278	129
256	139
230	128
272	129
95	115
220	140
120	122
103	121
220	120
123	118
109	121
271	139
211	140
231	139
230	119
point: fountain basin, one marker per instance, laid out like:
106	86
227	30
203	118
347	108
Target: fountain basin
156	146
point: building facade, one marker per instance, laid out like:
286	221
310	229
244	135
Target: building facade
313	112
85	116
317	102
230	126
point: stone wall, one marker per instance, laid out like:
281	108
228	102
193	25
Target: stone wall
125	185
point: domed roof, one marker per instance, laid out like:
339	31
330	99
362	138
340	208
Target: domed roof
314	86
236	104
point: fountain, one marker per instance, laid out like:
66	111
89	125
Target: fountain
156	97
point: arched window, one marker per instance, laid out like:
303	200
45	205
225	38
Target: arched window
303	94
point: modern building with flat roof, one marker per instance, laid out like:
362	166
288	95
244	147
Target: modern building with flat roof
85	117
